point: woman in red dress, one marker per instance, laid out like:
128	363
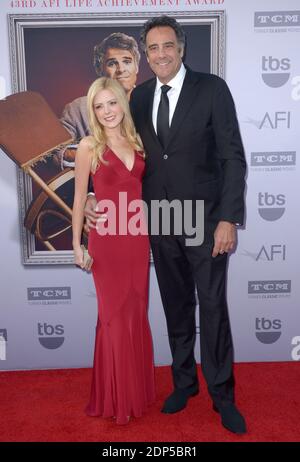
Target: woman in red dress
123	373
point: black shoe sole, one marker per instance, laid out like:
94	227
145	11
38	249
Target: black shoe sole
173	412
225	426
181	408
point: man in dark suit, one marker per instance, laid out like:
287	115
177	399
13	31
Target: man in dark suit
199	156
189	129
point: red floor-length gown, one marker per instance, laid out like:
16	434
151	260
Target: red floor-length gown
123	373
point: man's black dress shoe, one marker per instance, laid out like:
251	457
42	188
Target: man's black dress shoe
231	418
177	400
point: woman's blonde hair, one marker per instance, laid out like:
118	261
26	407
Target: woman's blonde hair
97	130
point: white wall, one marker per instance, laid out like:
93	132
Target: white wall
256	318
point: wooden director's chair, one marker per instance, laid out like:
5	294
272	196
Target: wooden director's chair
29	133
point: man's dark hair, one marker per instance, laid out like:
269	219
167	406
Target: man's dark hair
162	21
115	40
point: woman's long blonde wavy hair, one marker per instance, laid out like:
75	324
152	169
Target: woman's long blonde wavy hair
97	130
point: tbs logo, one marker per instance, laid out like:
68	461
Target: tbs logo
271	206
267	331
271	68
50	337
276	73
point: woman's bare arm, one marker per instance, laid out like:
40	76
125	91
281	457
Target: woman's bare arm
83	162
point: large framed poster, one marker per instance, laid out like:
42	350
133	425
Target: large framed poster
55	55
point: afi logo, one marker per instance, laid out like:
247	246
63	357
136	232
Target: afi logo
279	119
276	252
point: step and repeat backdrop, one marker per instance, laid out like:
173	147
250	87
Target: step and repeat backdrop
48	306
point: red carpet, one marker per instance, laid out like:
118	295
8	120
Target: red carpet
48	406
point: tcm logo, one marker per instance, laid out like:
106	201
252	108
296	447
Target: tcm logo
271	206
48	293
273	159
51	337
272	71
267	331
296	350
3	341
276	19
269	287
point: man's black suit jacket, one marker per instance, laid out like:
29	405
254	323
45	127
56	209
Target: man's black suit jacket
204	156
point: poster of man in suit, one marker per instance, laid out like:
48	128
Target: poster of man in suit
61	59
